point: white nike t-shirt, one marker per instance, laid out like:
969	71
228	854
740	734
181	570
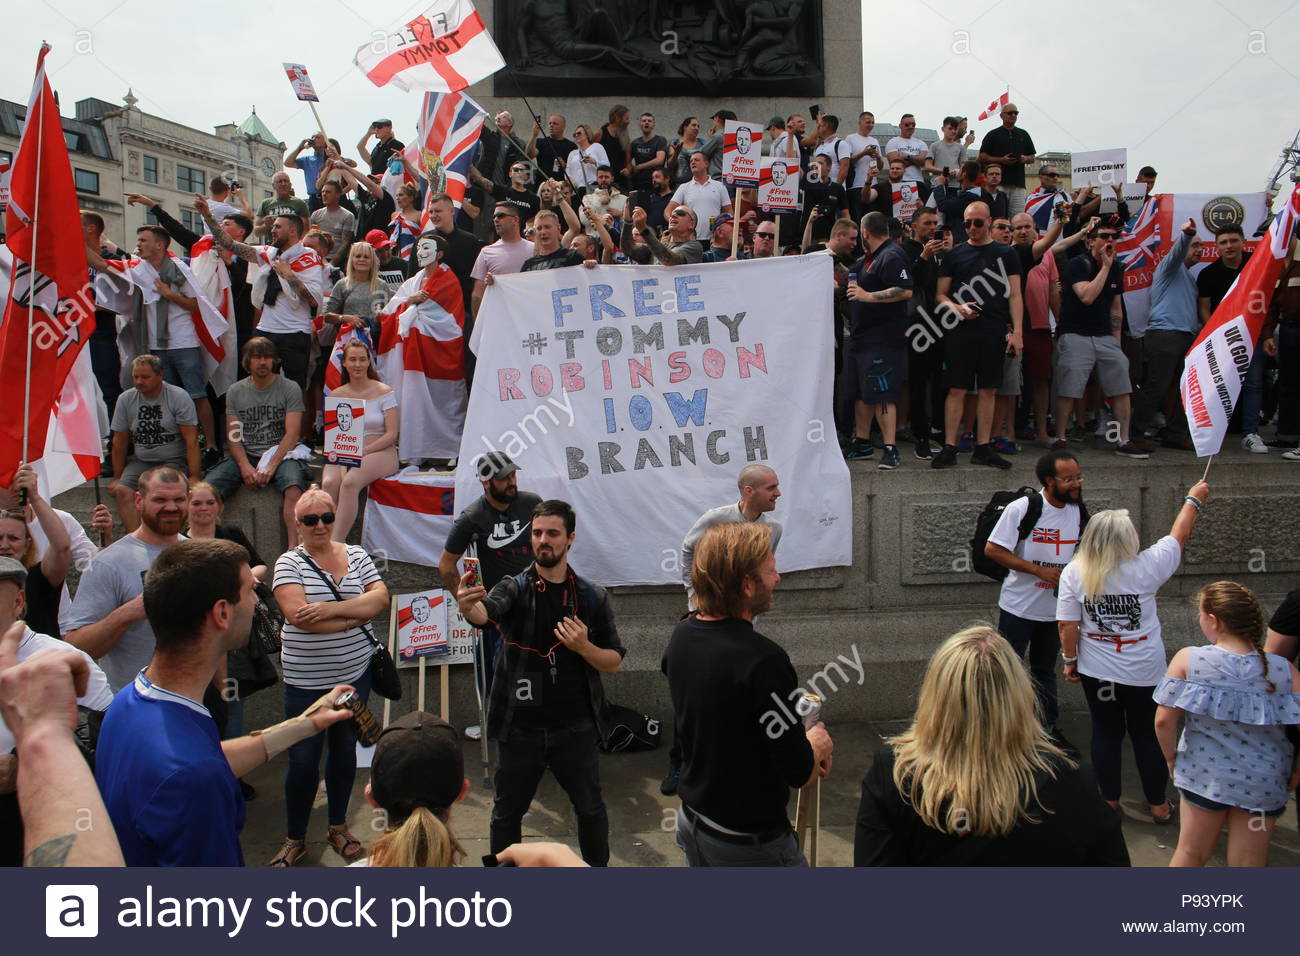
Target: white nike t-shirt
1050	545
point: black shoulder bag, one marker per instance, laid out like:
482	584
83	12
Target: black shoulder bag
383	672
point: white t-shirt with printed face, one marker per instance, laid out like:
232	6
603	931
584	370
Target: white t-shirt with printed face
1050	544
1119	632
909	147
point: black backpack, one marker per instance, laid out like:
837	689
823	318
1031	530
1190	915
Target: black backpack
988	520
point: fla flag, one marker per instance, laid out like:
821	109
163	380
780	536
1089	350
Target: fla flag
409	516
1217	361
993	108
422	357
444	50
48	309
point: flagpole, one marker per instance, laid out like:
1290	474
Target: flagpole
319	125
1207	468
31	294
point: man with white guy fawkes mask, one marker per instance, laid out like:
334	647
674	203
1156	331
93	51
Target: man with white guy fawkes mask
432	404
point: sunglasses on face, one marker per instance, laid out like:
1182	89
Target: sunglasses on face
502	215
310	521
764	235
676	213
1011	112
973	223
1107	236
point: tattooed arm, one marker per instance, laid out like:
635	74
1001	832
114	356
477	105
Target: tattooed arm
242	249
64	818
892	294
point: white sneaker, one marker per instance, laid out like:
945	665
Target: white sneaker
1254	444
474	732
1292	455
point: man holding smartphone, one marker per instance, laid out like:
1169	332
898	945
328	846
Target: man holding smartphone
1013	149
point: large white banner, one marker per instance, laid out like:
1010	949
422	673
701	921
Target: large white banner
638	393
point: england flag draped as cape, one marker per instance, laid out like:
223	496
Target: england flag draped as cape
421	356
207	276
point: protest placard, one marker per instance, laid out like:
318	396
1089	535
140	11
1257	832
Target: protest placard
301	82
1099	167
345	431
422	626
778	185
742	153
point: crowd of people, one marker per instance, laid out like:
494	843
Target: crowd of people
1018	295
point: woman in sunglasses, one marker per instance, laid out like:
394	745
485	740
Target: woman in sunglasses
328	592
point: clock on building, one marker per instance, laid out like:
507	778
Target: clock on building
268	164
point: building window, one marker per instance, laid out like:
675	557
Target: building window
151	169
190	180
86	181
71	140
192	221
150	217
6	156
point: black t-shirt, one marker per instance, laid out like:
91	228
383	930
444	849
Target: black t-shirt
42	614
656	208
462	252
881	323
1074	828
643	151
1081	319
1013	142
554	260
743	746
372	212
615	151
529	204
552	155
999	205
831	195
1214	281
980	275
379	154
502	537
1286	619
555	690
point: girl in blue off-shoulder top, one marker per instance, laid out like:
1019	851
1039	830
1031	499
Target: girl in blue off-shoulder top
1234	761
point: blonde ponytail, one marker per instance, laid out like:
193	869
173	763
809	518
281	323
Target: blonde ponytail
422	839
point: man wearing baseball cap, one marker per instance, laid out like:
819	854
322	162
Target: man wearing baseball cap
720	246
392	271
385	145
498	525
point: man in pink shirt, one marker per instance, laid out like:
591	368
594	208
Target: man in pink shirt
1042	298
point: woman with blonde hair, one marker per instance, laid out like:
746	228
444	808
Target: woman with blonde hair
1111	641
976	780
379	425
328	592
45	573
1233	764
359	297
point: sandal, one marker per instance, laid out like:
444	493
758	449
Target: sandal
291	854
344	843
1168	818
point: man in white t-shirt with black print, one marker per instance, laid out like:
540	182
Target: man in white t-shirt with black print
1027	604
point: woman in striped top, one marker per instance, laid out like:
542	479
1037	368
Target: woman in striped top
324	644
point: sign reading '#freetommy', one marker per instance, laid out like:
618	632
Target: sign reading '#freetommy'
778	184
422	625
742	153
345	430
301	82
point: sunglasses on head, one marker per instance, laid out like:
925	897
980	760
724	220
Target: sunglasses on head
976	223
310	521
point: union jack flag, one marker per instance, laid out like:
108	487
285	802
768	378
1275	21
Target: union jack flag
1040	204
1137	246
445	146
404	232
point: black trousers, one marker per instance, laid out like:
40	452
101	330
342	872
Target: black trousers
573	757
1118	709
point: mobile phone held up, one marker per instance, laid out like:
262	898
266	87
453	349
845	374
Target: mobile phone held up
473	575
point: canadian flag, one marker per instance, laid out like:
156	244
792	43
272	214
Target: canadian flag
421	356
443	50
1216	363
49	311
993	108
409	516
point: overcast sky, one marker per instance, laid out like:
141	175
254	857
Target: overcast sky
1208	92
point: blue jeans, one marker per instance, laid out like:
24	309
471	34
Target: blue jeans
184	368
573	756
303	775
1043	642
1252	393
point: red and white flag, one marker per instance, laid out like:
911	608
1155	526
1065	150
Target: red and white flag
1217	362
996	106
409	516
443	50
48	311
422	357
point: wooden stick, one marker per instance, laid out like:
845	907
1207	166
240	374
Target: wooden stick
444	691
735	222
419	696
392	642
1207	468
319	125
